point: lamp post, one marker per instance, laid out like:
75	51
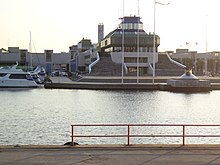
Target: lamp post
154	39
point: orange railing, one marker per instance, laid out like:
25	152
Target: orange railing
128	134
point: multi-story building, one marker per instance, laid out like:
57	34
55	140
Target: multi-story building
76	60
49	60
202	63
82	55
131	45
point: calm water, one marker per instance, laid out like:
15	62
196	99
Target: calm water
43	116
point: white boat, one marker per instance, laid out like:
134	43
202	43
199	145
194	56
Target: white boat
39	74
11	77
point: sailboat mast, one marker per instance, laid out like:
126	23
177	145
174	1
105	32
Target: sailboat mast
30	51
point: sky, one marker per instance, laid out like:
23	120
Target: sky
58	24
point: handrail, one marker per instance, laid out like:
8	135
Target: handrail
183	127
151	68
126	68
175	62
95	62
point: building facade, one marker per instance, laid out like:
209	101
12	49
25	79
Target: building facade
48	59
82	55
203	64
131	45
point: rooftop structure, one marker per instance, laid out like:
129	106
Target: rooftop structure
100	32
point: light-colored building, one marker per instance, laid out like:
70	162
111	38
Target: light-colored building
48	59
131	45
82	55
202	63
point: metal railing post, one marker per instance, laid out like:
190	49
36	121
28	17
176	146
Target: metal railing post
72	135
183	135
128	135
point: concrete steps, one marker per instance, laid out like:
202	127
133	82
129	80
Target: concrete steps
166	68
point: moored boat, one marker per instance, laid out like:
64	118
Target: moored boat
11	77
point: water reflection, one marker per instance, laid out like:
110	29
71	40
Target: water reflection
41	116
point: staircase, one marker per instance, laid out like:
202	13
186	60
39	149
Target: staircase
165	67
106	67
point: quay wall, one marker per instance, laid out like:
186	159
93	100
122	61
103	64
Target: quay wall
115	86
102	86
109	83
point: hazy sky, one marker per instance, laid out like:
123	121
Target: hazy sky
57	24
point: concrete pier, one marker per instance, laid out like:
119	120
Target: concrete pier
111	154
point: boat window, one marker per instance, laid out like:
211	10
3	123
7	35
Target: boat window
17	76
3	74
28	77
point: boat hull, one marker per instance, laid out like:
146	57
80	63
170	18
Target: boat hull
18	84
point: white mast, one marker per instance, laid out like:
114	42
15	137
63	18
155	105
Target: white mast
30	50
154	40
206	34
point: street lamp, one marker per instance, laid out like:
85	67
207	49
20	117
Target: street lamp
154	40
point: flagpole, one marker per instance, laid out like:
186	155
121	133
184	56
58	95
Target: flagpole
154	40
138	44
30	50
154	46
123	38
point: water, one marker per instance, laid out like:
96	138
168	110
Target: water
44	116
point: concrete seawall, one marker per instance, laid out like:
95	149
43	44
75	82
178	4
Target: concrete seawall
160	84
102	86
114	86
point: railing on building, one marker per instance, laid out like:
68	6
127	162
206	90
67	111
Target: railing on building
175	62
150	70
95	62
125	68
183	135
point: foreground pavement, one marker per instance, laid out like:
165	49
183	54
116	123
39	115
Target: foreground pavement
107	155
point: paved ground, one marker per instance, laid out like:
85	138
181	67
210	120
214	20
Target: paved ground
115	155
61	80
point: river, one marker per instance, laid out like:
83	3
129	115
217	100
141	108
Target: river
43	116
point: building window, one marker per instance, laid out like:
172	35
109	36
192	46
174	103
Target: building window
130	60
23	56
151	49
143	59
134	59
132	69
117	49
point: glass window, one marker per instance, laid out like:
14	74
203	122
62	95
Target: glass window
23	56
3	74
17	76
130	60
143	59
